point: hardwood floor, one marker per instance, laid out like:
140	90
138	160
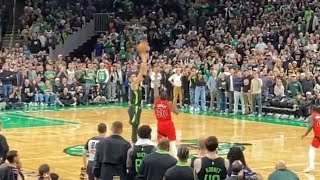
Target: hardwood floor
46	144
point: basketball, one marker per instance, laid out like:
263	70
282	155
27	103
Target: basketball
142	47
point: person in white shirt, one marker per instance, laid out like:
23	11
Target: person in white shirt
279	88
155	78
103	78
256	90
261	46
175	80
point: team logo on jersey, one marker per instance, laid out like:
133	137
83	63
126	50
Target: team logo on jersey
192	144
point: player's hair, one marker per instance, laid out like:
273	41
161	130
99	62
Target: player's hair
102	128
183	153
54	176
211	143
235	153
164	144
163	94
43	169
144	132
11	155
117	127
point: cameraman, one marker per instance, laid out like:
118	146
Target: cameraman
79	95
66	98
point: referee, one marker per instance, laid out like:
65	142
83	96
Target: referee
4	148
111	155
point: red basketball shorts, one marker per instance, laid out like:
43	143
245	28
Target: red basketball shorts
315	142
166	129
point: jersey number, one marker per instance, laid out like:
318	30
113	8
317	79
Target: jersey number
161	113
211	177
94	145
138	164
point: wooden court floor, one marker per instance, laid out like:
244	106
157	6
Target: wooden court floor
270	142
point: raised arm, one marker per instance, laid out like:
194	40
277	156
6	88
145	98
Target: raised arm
143	68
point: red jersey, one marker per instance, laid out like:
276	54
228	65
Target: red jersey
162	110
316	123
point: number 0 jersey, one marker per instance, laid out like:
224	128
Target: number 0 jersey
315	120
162	110
91	147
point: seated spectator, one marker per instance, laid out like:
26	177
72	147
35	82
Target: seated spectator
98	97
38	93
49	95
234	154
282	172
79	95
279	88
66	98
27	92
237	171
44	172
15	99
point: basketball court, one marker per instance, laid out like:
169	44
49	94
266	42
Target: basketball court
57	136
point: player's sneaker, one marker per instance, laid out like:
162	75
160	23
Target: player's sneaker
308	169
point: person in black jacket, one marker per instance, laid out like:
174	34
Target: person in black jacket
27	92
7	78
111	155
11	171
4	148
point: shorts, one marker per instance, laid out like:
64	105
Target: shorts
167	129
90	170
134	115
315	142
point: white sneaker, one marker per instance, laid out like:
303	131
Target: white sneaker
308	169
191	108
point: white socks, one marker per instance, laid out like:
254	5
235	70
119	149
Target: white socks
173	148
312	154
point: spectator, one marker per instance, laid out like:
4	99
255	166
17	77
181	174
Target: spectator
236	168
66	98
222	86
294	87
200	92
44	172
214	92
246	91
155	165
279	88
256	89
6	78
238	95
4	148
11	172
175	80
282	172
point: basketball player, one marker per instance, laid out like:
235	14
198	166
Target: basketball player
90	149
143	146
162	110
135	108
211	166
314	124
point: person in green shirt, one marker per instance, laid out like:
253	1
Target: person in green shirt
50	74
123	55
90	79
294	87
282	173
103	78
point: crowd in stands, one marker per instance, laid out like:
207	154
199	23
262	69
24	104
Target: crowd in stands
222	56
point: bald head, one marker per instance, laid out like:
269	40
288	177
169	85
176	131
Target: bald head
236	167
281	165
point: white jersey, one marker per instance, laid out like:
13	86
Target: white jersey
91	147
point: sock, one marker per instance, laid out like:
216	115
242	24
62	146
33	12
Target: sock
312	153
173	148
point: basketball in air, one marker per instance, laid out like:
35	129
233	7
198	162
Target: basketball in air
142	47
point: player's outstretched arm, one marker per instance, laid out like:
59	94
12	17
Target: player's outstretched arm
142	50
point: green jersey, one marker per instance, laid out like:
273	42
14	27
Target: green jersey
90	77
102	76
50	75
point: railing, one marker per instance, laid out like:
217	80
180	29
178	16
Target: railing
13	22
101	21
73	41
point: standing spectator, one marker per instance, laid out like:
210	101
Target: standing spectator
166	74
155	165
246	80
182	170
294	87
256	89
222	86
7	78
120	82
90	79
238	95
200	93
230	90
103	78
192	87
155	78
175	80
4	148
111	155
214	91
50	74
112	85
49	95
282	172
